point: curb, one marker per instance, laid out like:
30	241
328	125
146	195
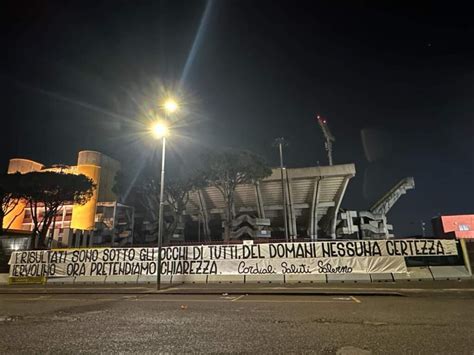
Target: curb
173	290
220	292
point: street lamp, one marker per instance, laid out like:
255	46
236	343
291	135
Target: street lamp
170	106
160	130
280	143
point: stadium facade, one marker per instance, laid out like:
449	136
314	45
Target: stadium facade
309	199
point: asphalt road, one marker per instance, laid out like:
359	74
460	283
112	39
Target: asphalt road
235	323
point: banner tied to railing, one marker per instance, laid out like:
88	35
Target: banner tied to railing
335	257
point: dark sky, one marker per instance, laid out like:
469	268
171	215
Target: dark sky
394	79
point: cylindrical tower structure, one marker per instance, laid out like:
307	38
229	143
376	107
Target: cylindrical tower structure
83	217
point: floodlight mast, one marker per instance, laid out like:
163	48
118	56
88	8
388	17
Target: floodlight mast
327	136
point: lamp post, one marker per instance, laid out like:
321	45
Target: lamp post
160	130
280	142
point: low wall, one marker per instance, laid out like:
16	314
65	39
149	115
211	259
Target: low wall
431	273
272	263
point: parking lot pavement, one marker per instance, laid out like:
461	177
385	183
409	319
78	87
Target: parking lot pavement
235	323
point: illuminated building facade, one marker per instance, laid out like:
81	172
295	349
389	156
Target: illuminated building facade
101	216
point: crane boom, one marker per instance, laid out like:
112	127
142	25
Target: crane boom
386	202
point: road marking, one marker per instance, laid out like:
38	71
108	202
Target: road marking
238	298
175	300
167	289
45	296
245	300
77	288
356	300
179	300
296	301
58	299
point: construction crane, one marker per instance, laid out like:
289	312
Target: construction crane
372	224
386	202
327	136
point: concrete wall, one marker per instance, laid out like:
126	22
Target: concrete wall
414	274
431	273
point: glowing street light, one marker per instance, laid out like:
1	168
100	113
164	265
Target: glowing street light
170	106
159	130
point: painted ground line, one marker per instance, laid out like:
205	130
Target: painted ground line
76	288
288	301
56	299
356	300
238	298
173	300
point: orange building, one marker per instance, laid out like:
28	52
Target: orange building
89	217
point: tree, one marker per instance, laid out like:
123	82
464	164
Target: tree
227	169
177	195
46	192
119	188
9	196
146	191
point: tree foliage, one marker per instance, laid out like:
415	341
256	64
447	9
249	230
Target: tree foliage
9	196
146	191
227	169
46	192
177	190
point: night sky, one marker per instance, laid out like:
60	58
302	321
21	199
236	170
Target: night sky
395	81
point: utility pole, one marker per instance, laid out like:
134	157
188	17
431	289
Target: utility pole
327	136
280	143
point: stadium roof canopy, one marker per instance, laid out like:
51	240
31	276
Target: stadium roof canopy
313	194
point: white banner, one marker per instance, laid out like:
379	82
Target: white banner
338	257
